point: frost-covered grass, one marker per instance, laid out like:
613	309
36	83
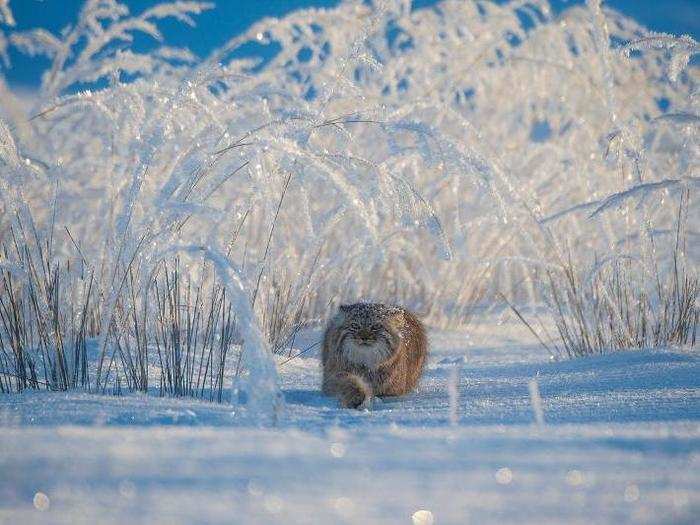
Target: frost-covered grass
621	304
615	310
433	157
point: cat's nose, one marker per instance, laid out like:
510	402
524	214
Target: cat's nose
365	335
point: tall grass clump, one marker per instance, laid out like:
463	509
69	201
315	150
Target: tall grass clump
629	302
170	329
48	311
613	310
175	332
195	332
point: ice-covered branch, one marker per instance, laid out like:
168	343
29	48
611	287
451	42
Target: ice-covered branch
642	190
681	48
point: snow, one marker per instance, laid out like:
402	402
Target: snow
620	443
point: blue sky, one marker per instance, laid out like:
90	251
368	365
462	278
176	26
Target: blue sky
231	17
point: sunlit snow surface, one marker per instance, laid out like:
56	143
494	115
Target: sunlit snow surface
621	444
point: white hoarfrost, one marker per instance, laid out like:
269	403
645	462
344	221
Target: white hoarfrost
257	392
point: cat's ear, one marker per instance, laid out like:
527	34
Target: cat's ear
399	315
343	310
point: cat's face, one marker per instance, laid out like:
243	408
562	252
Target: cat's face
369	332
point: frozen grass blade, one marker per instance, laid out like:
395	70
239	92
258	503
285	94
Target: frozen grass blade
536	401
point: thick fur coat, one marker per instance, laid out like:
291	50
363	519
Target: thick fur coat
371	349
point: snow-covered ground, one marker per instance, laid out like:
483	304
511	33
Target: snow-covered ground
620	444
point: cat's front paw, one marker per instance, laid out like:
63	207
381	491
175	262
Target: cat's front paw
354	398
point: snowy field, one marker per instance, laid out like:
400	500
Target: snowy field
620	444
